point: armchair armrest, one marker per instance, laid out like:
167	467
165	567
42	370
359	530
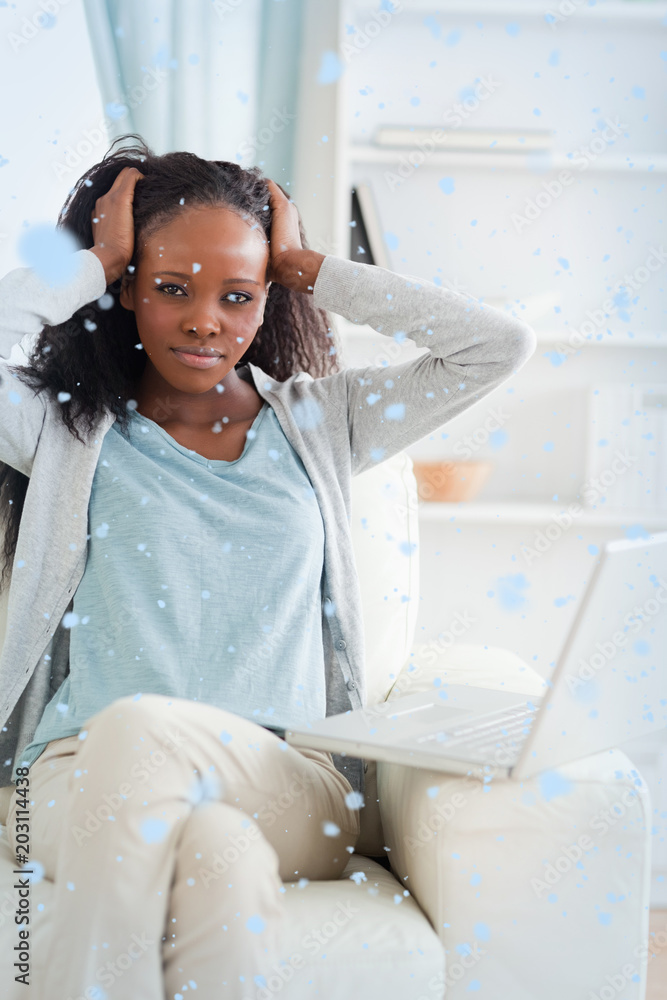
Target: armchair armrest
506	869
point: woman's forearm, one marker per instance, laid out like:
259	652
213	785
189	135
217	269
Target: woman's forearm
299	270
27	303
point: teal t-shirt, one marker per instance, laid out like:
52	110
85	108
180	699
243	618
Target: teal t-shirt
203	580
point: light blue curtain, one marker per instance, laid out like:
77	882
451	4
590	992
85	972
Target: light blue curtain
219	78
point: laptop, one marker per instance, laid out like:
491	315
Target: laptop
609	686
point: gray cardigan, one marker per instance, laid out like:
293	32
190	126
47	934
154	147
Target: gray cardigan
339	425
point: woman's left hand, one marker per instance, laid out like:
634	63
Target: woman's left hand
289	263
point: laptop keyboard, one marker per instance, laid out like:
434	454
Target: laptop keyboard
505	729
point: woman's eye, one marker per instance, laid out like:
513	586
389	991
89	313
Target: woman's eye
174	291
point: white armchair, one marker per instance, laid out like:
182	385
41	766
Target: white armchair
536	890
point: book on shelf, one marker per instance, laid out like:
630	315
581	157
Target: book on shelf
627	447
504	140
367	243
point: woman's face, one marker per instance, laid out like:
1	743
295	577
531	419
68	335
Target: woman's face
199	284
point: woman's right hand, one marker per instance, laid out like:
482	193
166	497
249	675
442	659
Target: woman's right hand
113	224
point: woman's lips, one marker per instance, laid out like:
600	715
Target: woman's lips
196	360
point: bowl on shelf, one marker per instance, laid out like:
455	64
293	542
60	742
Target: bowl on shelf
450	482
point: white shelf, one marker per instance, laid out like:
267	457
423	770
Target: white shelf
542	161
523	513
613	10
545	338
657	339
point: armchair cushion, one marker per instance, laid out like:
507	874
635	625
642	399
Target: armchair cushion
385	529
466	663
504	869
358	936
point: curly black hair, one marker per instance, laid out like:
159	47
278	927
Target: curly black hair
100	368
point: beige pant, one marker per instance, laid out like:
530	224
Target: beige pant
169	830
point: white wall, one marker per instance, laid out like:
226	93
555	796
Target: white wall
50	102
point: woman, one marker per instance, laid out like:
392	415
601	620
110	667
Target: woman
178	453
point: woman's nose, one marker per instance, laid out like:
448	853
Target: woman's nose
202	322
